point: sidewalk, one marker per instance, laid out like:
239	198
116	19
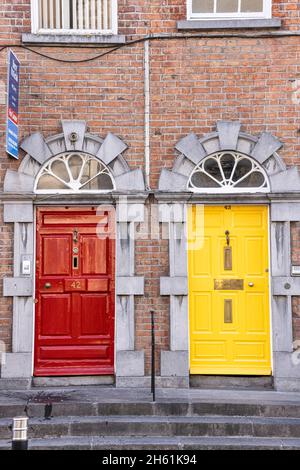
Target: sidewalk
96	394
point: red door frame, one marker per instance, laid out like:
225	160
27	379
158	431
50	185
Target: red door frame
95	365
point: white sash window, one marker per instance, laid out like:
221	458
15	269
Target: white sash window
210	9
74	16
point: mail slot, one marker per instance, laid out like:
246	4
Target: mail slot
77	285
229	284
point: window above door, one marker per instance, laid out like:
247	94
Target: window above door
81	17
224	9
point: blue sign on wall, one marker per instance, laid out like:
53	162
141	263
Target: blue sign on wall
12	119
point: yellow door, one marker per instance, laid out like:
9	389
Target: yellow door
229	290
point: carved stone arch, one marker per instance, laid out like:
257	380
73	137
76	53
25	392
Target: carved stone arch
73	138
228	136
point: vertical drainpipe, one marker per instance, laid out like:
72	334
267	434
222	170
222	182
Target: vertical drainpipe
147	112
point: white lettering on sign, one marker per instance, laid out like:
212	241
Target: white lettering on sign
14	71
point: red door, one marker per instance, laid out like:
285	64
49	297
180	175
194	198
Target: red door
75	286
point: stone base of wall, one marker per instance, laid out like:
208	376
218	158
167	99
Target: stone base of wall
287	385
145	382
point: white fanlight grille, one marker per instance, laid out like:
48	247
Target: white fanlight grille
72	173
228	172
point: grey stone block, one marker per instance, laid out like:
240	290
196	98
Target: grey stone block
18	182
285	211
77	127
15	384
126	212
287	385
228	134
210	142
145	382
17	287
130	364
265	147
171	181
179	323
285	181
287	365
36	147
17	365
173	286
14	212
133	285
191	148
281	248
286	285
229	24
131	181
23	316
35	39
125	323
173	212
111	148
174	363
282	327
73	381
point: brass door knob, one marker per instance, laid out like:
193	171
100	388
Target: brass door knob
47	285
251	284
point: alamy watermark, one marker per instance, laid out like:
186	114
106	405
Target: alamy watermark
176	221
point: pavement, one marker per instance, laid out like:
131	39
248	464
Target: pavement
109	394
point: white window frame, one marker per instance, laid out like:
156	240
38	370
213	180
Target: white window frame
36	30
267	13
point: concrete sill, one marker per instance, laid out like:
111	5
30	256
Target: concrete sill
228	24
70	39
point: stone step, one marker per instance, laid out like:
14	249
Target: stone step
129	426
215	382
159	443
94	408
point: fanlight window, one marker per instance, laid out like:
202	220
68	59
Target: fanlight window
228	172
74	172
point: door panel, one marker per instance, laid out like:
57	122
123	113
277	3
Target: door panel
94	255
75	288
56	255
229	297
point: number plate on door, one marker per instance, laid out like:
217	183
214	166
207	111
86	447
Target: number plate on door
78	285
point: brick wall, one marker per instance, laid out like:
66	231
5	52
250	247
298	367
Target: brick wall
152	261
136	18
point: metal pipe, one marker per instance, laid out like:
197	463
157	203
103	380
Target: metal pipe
152	355
147	111
20	433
